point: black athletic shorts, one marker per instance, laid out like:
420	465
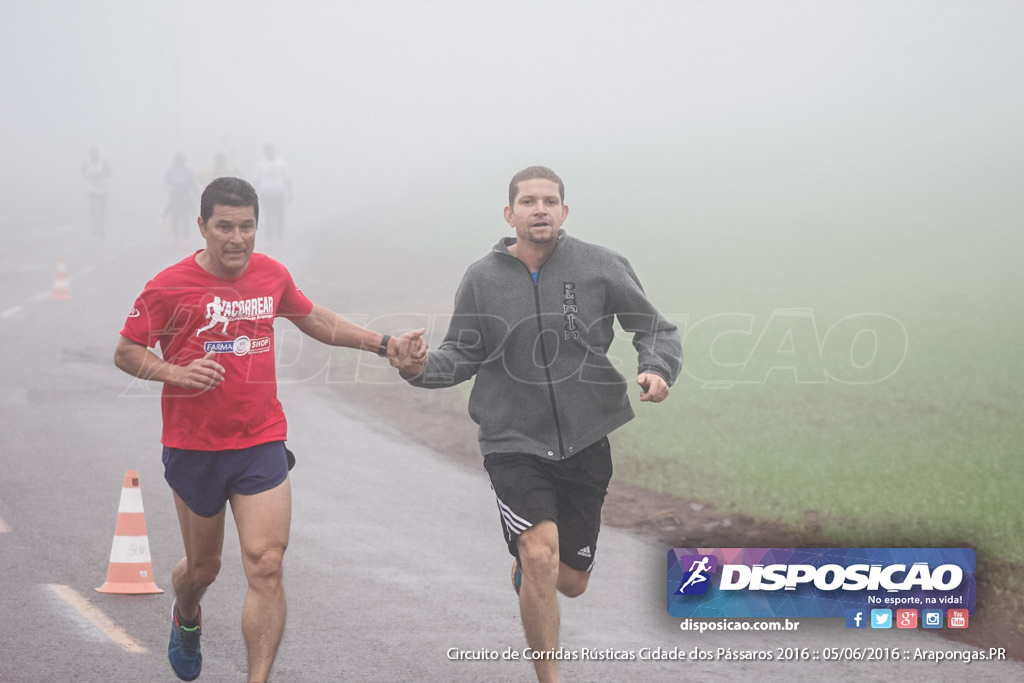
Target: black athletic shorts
569	492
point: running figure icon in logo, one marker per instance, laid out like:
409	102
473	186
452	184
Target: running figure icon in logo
697	581
215	314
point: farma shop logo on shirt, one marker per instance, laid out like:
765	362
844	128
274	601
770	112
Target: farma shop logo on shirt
240	346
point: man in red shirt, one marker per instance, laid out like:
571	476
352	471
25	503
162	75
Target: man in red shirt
223	427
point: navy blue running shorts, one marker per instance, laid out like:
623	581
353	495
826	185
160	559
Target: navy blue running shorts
530	489
206	479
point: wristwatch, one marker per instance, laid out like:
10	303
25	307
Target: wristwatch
383	350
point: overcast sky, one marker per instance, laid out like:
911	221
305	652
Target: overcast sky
733	110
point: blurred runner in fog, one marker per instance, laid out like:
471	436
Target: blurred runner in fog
220	168
181	200
96	172
275	188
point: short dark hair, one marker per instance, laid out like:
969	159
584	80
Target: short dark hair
532	173
228	192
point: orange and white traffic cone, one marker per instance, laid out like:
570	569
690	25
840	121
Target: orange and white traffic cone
131	568
61	287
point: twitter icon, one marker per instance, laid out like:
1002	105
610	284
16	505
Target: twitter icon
881	618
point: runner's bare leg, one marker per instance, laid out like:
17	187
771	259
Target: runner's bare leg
204	539
263	522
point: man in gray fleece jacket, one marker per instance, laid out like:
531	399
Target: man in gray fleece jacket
533	322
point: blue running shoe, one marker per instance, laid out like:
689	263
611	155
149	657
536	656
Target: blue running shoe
183	650
517	576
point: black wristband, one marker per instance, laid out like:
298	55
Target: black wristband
383	350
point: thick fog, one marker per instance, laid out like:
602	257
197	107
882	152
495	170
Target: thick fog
672	119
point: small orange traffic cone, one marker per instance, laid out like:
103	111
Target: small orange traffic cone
61	288
131	568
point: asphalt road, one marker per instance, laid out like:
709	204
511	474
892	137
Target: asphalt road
396	557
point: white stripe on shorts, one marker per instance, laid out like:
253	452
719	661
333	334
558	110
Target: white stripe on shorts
514	524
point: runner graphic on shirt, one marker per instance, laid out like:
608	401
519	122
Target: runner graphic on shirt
215	314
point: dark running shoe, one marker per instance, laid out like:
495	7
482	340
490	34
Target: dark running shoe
183	650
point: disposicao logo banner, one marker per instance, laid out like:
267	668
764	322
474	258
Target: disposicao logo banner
817	582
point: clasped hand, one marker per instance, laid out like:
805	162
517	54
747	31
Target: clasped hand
408	353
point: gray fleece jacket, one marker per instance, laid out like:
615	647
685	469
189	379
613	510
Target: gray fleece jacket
544	383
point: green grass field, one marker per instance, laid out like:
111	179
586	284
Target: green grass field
906	459
925	449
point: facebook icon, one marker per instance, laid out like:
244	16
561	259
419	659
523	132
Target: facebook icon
856	618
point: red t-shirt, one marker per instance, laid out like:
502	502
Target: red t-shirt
191	312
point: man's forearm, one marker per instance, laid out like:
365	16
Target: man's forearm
328	327
139	361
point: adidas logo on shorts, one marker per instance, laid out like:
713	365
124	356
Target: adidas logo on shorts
584	552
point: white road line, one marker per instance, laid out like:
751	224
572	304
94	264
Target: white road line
10	311
97	618
42	295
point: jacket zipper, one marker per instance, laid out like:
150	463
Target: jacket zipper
547	370
544	356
